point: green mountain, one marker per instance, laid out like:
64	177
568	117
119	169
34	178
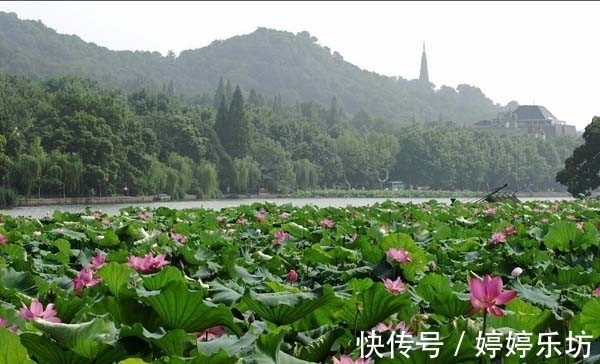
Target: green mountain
271	62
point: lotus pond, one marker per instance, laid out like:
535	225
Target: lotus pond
267	283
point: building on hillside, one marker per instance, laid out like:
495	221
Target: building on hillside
533	120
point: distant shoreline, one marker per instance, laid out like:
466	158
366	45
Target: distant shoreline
32	202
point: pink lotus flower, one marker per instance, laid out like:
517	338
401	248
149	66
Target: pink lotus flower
544	220
147	264
346	359
292	276
326	223
401	326
85	278
211	333
261	215
144	216
571	218
497	238
180	238
96	215
398	255
580	225
3	240
98	261
491	211
281	237
487	294
36	310
510	230
220	218
394	287
284	216
3	323
597	291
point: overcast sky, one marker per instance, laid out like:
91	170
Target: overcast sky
544	53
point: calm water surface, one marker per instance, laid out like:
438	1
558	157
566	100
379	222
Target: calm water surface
41	211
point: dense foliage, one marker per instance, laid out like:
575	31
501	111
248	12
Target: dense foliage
294	66
581	172
69	137
272	284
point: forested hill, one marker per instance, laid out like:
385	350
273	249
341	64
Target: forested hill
294	66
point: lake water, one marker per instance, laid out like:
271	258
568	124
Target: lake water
113	209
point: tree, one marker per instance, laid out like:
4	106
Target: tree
353	152
206	180
219	94
275	165
383	149
580	174
234	131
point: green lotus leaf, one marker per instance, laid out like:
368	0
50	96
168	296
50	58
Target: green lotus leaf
437	290
233	345
173	342
374	305
48	351
86	339
133	361
282	308
181	308
75	236
564	236
156	281
227	293
590	317
11	350
267	351
296	230
109	239
536	295
318	349
22	282
522	316
116	276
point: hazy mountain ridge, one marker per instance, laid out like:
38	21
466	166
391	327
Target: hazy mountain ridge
270	61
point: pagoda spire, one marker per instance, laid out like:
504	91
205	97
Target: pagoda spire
424	74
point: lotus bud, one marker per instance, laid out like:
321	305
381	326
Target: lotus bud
292	276
516	272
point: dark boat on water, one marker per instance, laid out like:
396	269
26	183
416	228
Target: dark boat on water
498	196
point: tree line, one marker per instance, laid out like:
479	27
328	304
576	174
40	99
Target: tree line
68	136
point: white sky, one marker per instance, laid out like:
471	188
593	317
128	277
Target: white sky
545	53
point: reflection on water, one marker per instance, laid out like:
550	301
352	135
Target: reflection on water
41	211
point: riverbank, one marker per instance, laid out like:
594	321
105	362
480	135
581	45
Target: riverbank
108	200
112	200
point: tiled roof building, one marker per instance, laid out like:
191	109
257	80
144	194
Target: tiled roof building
529	119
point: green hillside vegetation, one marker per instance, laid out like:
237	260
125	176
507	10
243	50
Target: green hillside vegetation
274	63
68	136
